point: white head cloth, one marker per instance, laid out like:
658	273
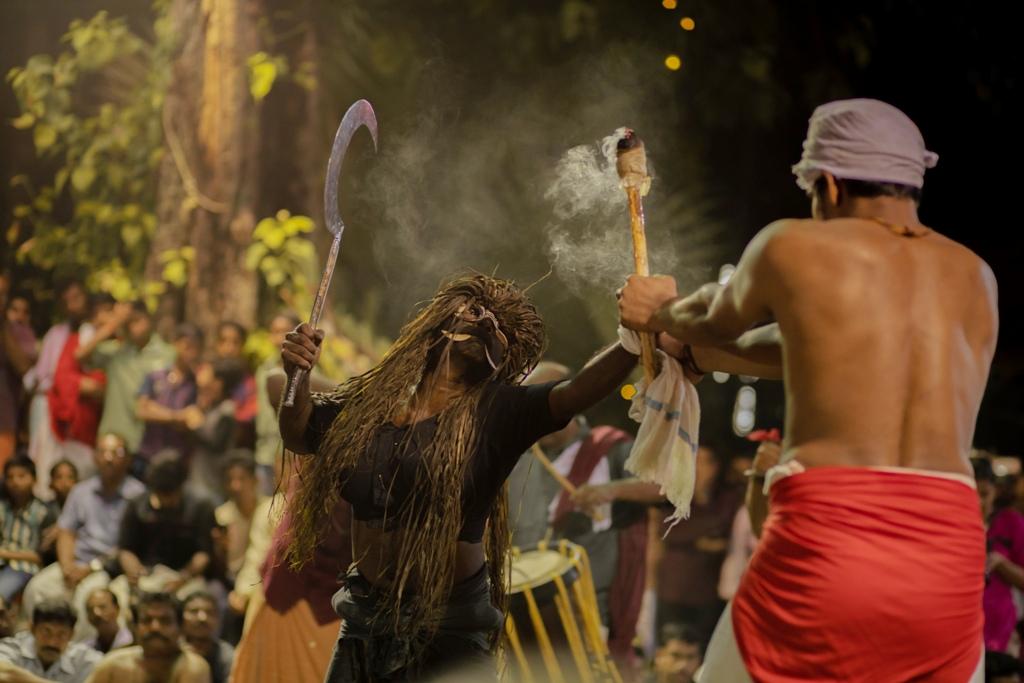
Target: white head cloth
863	140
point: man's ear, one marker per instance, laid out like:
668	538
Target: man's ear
832	188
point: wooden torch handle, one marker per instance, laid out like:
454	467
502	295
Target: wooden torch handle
636	221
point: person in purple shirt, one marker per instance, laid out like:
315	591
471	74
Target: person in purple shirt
164	397
1004	569
87	533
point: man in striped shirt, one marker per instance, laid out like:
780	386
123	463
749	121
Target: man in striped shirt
23	517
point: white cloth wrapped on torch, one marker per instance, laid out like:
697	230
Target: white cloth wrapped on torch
665	449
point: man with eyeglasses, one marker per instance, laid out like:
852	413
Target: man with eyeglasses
87	533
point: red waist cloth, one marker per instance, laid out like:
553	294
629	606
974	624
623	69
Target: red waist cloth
864	575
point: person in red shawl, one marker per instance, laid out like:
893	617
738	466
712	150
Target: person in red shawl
76	397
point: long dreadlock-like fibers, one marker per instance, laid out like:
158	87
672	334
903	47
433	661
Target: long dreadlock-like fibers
426	557
497	542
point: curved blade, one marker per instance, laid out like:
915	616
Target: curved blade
359	114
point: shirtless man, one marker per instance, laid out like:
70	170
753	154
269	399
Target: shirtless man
871	566
159	657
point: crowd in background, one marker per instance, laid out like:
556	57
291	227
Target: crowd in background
133	469
138	470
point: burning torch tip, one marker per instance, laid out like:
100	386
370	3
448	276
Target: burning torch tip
629	140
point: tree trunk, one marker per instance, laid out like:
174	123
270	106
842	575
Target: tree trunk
209	177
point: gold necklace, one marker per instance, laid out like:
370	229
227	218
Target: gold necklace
902	230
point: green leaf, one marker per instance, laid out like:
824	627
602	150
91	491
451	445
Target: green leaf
263	227
43	203
275	277
122	289
60	179
116	175
131	234
301	249
254	254
262	73
154	287
274	239
187	253
24	121
82	177
269	262
22	211
44	136
176	273
297	224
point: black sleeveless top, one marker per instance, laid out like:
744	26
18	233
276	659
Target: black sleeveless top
510	420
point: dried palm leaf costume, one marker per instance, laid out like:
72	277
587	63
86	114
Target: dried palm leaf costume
433	483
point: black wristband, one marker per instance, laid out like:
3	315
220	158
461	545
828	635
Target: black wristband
689	363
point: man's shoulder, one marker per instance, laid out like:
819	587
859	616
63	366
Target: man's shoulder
788	232
80	653
124	654
156	346
124	658
132	488
11	648
84	488
189	662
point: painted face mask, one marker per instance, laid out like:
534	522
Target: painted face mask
475	321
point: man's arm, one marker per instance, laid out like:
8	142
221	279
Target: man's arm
129	542
714	315
148	410
630	490
757	353
12	673
767	456
598	378
205	523
72	570
196	566
1007	570
24	555
122	311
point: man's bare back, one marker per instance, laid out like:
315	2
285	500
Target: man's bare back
886	339
887	342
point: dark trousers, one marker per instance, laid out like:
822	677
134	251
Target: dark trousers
445	655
